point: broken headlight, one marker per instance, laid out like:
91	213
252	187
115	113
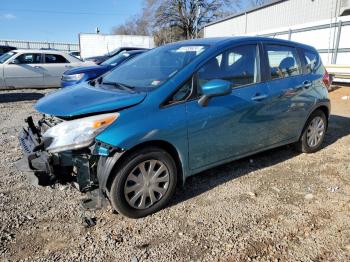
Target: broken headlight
78	133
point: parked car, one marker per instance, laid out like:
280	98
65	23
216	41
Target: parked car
35	68
175	111
99	59
81	74
5	48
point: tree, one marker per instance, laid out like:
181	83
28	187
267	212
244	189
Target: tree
133	26
173	20
188	16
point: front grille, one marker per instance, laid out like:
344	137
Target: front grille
25	147
26	141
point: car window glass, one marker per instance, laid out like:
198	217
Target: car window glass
238	65
155	67
6	56
181	94
283	61
55	59
312	61
29	59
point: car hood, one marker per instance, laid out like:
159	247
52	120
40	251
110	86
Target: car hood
87	69
83	99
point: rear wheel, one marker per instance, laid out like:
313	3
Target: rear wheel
144	183
313	133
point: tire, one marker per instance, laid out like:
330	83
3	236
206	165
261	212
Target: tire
130	171
305	145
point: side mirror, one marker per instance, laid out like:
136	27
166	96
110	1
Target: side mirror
215	87
15	62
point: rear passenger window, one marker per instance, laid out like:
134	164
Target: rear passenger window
312	61
54	59
238	65
283	61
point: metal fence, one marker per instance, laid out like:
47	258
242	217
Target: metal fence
68	47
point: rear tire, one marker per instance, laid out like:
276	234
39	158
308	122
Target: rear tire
144	182
313	133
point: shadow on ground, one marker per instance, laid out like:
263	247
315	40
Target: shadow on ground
339	127
19	97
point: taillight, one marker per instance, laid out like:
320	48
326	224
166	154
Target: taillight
326	79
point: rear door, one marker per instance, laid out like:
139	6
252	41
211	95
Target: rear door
54	65
288	99
24	71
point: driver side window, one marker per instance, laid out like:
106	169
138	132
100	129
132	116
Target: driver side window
29	59
238	65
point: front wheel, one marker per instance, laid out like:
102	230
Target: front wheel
313	133
144	182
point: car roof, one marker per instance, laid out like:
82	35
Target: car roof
39	51
236	39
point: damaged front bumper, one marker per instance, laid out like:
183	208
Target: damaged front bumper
45	168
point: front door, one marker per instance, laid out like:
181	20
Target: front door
24	71
230	125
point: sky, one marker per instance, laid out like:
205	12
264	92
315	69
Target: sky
62	20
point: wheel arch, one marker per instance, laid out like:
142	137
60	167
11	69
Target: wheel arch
166	146
324	107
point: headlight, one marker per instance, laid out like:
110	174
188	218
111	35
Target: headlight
75	77
78	133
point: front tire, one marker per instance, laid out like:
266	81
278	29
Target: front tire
313	133
144	182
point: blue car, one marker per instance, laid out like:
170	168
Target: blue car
81	74
139	131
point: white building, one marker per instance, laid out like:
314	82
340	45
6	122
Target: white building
324	24
100	44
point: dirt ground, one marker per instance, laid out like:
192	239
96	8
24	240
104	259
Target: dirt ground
275	206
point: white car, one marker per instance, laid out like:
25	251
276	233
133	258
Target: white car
35	68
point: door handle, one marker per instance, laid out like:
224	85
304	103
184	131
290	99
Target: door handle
37	67
307	84
259	97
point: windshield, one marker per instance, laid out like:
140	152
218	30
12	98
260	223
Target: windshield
155	67
6	56
117	59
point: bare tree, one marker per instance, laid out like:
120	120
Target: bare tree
189	15
134	26
259	2
173	20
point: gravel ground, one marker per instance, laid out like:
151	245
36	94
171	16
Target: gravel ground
275	206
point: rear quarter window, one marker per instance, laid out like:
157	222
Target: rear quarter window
312	61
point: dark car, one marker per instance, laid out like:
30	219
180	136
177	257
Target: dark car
80	74
99	59
5	48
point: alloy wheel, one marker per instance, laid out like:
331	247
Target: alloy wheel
315	131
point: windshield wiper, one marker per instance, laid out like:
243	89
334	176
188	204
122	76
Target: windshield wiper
119	85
